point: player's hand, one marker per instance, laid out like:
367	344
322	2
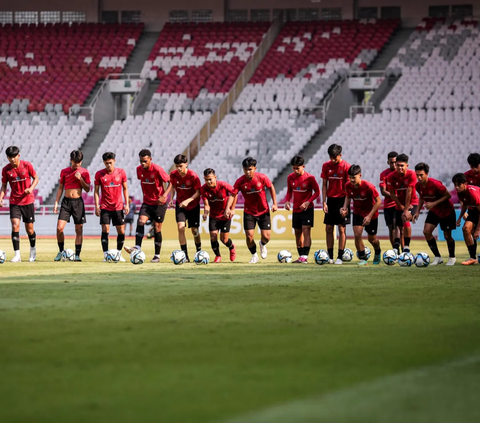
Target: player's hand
185	203
305	205
476	234
287	205
1	202
97	211
205	215
55	208
465	215
126	209
161	200
343	211
78	175
28	191
406	216
415	218
171	203
325	208
428	206
274	208
459	221
229	213
366	221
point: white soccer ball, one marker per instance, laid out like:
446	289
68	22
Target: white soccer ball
201	257
422	260
390	257
112	256
284	256
347	255
137	257
68	255
178	257
368	253
321	257
3	256
406	259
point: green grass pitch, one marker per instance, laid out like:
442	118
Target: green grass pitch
236	343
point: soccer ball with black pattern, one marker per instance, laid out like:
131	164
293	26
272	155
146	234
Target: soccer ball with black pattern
112	256
321	257
406	259
390	257
284	256
201	257
68	255
368	253
422	260
178	257
3	256
347	255
137	257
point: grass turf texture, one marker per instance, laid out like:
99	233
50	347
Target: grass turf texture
100	342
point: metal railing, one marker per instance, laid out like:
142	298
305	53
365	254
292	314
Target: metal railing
361	110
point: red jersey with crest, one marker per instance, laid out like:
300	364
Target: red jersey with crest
19	179
472	178
399	184
470	196
253	191
433	191
152	180
364	197
186	187
67	178
217	198
336	176
302	188
387	202
111	186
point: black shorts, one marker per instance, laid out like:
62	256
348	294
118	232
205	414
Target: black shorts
398	216
154	213
27	212
250	221
333	217
114	216
448	223
389	214
219	225
472	217
74	207
192	216
371	229
129	220
304	218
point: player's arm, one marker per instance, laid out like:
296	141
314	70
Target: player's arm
231	202
84	185
126	209
324	195
172	198
346	206
368	218
168	188
96	196
462	213
206	208
57	199
395	198
186	202
34	184
383	190
313	197
3	190
274	198
420	205
476	234
444	197
288	196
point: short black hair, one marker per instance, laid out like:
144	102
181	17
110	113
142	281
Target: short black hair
474	159
334	150
145	153
297	161
249	162
402	158
354	170
108	156
180	158
392	155
208	171
422	166
76	156
12	151
459	178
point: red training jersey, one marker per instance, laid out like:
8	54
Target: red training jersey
302	188
19	179
67	177
433	191
253	191
399	184
472	178
336	176
387	202
186	187
152	180
470	197
364	198
217	198
111	186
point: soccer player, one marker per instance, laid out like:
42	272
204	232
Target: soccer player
304	189
434	195
389	204
366	202
186	183
73	180
401	187
473	175
215	196
256	211
469	195
155	194
22	179
334	177
112	181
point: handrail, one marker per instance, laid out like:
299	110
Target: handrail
366	73
366	109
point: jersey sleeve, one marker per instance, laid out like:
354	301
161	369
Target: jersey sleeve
315	188
86	177
236	186
288	196
266	181
203	192
139	175
324	174
382	183
97	178
196	183
164	176
124	176
374	190
62	177
228	188
4	176
442	189
412	180
31	170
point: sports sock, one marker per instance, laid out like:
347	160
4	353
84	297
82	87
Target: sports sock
120	241
229	244
61	246
451	249
253	249
407	242
140	232
472	250
300	250
432	243
198	246
78	249
105	241
396	244
215	247
306	251
330	253
184	249
362	255
16	240
377	251
340	254
32	238
158	242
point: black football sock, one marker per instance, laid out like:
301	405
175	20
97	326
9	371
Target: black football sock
229	244
406	240
330	253
432	243
362	255
105	241
198	246
184	249
378	251
158	243
340	254
451	249
140	232
306	251
396	244
78	249
253	249
472	250
61	246
299	250
120	241
215	247
32	238
16	241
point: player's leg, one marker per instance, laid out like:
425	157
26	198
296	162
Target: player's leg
158	216
447	225
299	242
359	244
389	215
224	227
60	238
77	208
431	222
32	237
307	241
78	241
193	218
104	236
468	230
371	231
15	235
249	224
215	245
342	240
181	219
264	223
118	220
399	225
143	217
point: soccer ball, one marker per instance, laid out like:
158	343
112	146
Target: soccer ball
112	256
406	259
347	255
321	257
368	253
478	258
3	256
201	257
422	260
137	257
178	257
68	255
284	256
390	257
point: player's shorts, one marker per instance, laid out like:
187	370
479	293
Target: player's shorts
72	207
27	212
304	218
370	229
448	223
250	221
389	214
472	217
191	216
333	217
114	216
129	220
398	216
219	225
154	213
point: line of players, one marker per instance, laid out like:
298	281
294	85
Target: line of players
341	184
